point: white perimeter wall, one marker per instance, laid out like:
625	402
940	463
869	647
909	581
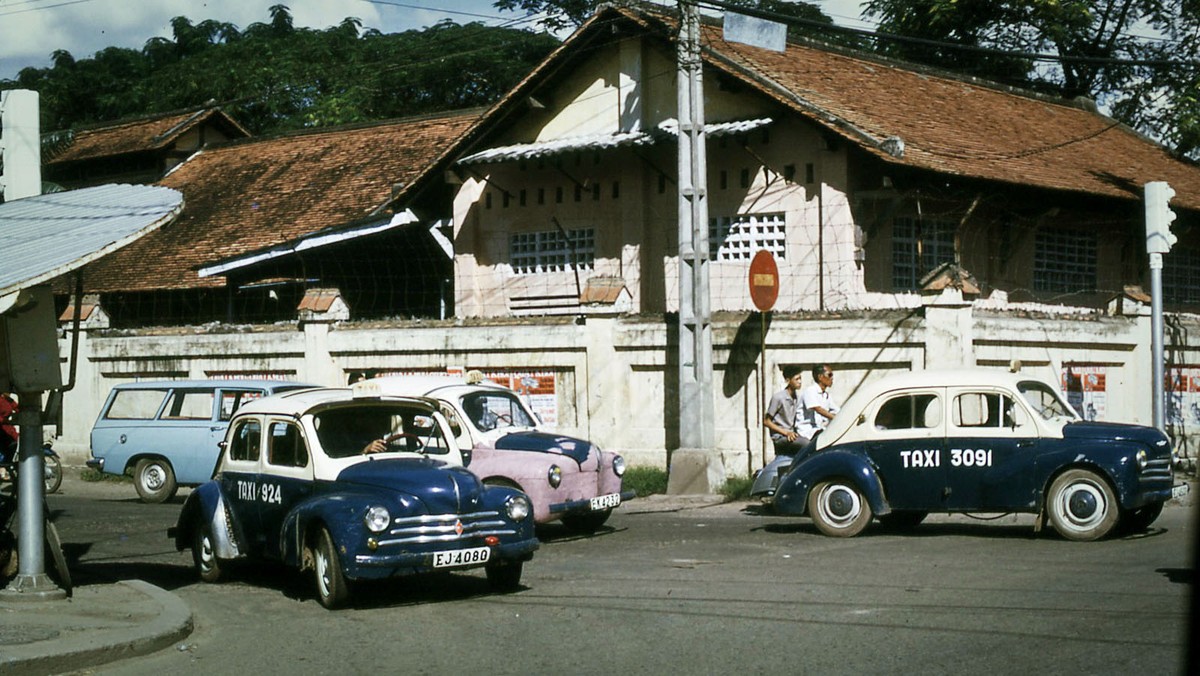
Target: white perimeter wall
615	376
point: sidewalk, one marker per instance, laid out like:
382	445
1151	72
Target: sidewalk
98	624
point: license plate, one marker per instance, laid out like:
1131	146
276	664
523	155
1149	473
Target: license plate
1180	491
605	501
461	557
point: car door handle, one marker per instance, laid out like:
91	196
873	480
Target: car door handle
1024	444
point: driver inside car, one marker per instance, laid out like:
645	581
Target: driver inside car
394	436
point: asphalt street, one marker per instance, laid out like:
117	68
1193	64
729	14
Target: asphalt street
675	586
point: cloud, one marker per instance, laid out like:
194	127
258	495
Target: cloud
29	34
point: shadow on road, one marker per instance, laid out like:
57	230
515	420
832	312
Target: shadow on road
556	532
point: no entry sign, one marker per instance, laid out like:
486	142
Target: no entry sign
764	281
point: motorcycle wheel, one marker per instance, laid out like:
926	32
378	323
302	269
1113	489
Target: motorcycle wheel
54	473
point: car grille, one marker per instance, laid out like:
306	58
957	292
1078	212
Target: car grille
1157	469
446	528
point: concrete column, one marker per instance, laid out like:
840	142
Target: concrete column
949	330
317	311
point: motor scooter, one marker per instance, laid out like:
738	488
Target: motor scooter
51	467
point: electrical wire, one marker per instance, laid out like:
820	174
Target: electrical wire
892	37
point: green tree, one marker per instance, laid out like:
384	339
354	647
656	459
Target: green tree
569	14
1139	58
275	77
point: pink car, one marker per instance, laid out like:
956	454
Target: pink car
504	444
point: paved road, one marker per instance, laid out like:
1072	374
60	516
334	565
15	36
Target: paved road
705	591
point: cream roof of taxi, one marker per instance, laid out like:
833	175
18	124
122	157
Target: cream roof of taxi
426	383
299	402
964	377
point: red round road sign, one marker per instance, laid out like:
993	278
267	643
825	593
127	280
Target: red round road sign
764	281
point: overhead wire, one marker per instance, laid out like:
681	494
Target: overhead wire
893	37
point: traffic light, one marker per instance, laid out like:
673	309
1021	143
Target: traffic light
1159	216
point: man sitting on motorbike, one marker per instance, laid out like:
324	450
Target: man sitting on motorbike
8	434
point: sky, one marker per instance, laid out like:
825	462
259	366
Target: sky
31	30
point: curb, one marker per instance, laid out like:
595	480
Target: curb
78	648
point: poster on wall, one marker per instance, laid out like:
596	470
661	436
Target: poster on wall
1183	395
1085	389
536	389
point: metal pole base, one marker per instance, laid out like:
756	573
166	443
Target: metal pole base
32	588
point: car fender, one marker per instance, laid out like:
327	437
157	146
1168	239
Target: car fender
340	513
792	495
1116	461
206	504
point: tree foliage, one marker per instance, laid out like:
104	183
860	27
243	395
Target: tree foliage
273	76
558	15
1138	58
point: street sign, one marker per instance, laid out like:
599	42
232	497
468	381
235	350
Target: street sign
764	281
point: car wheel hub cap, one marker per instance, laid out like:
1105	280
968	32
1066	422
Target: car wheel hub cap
841	505
1083	506
206	553
323	574
154	478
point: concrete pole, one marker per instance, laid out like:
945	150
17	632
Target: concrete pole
1156	342
696	466
20	139
31	582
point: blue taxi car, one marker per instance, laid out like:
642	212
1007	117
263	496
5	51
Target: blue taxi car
351	488
976	440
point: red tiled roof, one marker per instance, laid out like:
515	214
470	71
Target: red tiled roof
318	300
142	134
959	127
254	194
947	124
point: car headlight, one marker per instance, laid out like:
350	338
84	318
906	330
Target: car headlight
1142	461
554	476
377	519
517	507
619	466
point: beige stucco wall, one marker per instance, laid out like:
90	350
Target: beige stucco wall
615	375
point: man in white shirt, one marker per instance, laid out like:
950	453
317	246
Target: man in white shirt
817	406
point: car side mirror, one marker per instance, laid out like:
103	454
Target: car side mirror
861	419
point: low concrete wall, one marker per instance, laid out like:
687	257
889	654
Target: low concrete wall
613	377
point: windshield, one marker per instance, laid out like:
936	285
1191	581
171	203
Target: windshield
1045	401
362	429
496	409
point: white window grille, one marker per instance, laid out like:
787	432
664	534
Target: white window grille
918	246
551	251
1181	276
1064	261
737	238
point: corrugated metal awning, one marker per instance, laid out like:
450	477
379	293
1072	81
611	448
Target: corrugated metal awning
46	236
667	130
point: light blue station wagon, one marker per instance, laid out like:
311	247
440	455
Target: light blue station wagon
168	432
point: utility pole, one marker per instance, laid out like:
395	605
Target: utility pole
20	145
696	467
1159	240
24	367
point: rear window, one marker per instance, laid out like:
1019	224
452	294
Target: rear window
231	400
246	441
135	404
910	411
189	405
